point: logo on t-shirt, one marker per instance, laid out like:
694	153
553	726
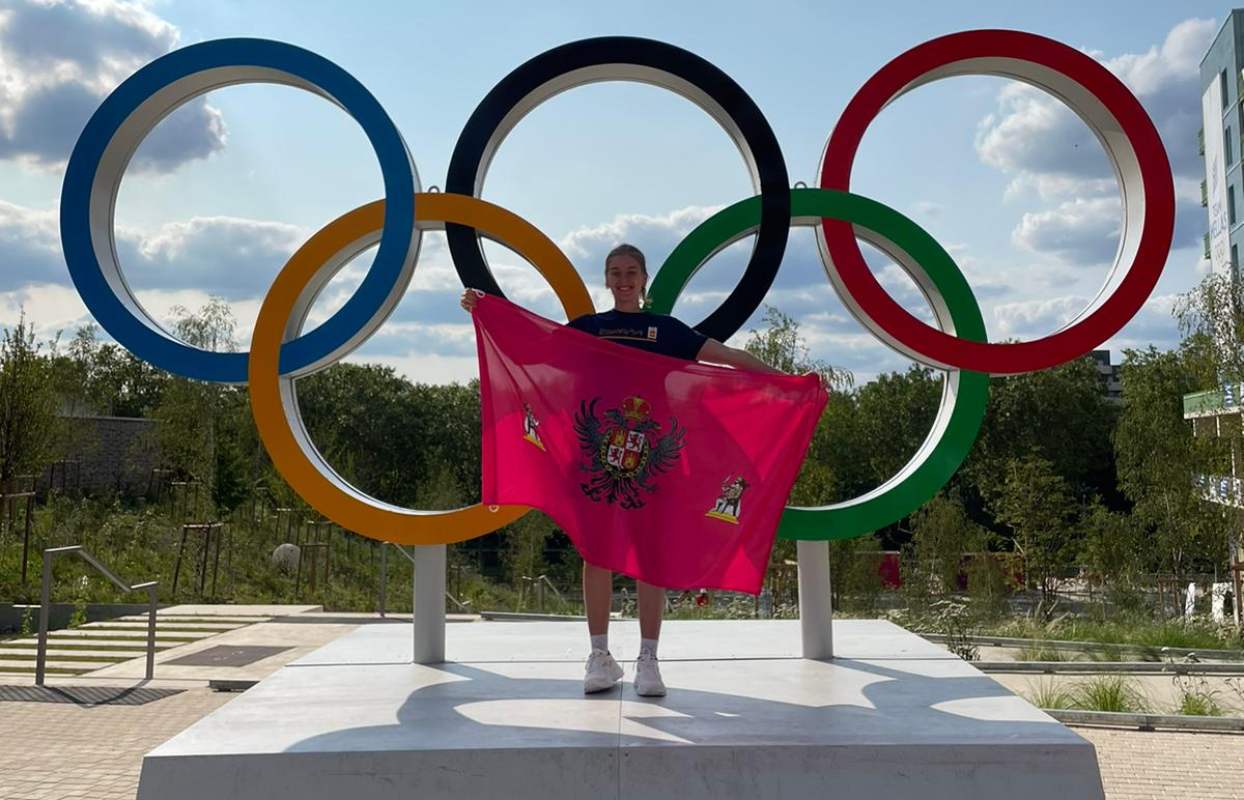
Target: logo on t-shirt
652	333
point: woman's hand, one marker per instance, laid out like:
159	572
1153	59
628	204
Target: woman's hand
470	297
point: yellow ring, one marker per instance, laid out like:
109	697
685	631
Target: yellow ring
335	499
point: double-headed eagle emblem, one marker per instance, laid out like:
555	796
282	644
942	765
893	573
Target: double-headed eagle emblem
624	450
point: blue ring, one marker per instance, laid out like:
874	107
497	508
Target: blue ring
395	241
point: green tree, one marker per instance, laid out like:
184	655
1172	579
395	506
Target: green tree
1111	547
91	378
894	414
942	536
1034	502
525	540
1158	456
1059	414
190	412
29	427
388	436
1211	321
780	345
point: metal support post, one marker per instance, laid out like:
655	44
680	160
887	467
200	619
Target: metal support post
384	574
151	629
45	605
816	611
428	597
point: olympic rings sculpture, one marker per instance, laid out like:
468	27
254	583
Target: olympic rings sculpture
281	351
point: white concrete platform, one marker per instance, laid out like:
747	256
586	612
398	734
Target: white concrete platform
745	717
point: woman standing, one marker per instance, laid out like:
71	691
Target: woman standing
626	277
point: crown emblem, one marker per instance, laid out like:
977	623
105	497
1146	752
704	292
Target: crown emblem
636	408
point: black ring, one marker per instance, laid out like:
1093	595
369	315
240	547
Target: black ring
755	139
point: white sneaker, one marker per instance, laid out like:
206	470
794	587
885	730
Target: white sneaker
648	681
602	672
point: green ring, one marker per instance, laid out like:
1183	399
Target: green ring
964	393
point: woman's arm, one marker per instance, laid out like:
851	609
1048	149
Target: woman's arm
715	352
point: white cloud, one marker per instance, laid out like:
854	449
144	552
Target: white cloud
226	256
656	236
1154	324
30	242
422	367
231	257
50	308
1032	319
1079	231
60	58
1040	142
1038	137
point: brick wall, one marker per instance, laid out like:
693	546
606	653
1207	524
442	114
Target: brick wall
115	453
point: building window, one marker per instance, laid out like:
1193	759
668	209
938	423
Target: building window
1222	83
1231	205
1227	149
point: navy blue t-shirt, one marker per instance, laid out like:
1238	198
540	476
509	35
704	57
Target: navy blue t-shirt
656	333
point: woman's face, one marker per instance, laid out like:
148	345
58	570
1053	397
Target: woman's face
625	278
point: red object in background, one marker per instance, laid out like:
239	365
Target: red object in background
888	569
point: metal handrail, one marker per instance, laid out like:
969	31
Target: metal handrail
46	604
539	582
463	605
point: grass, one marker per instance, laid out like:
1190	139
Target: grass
1199	705
1113	652
1047	694
1197	698
1040	652
1131	630
1108	693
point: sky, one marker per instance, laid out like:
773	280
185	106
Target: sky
1008	180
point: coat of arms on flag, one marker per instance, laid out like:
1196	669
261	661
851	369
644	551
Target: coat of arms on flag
729	503
624	450
530	426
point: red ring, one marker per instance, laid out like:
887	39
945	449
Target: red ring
1002	358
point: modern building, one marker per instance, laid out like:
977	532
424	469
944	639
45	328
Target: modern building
1111	381
1221	141
1217	412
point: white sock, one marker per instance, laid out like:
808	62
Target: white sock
601	642
648	646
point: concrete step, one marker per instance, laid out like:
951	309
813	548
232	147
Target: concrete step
60	654
237	610
54	667
87	634
127	645
160	625
192	618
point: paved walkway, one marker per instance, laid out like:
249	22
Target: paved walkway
54	751
1138	765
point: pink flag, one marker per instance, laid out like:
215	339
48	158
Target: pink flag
669	471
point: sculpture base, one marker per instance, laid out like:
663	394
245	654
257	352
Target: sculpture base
745	717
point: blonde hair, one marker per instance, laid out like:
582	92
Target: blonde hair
634	252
